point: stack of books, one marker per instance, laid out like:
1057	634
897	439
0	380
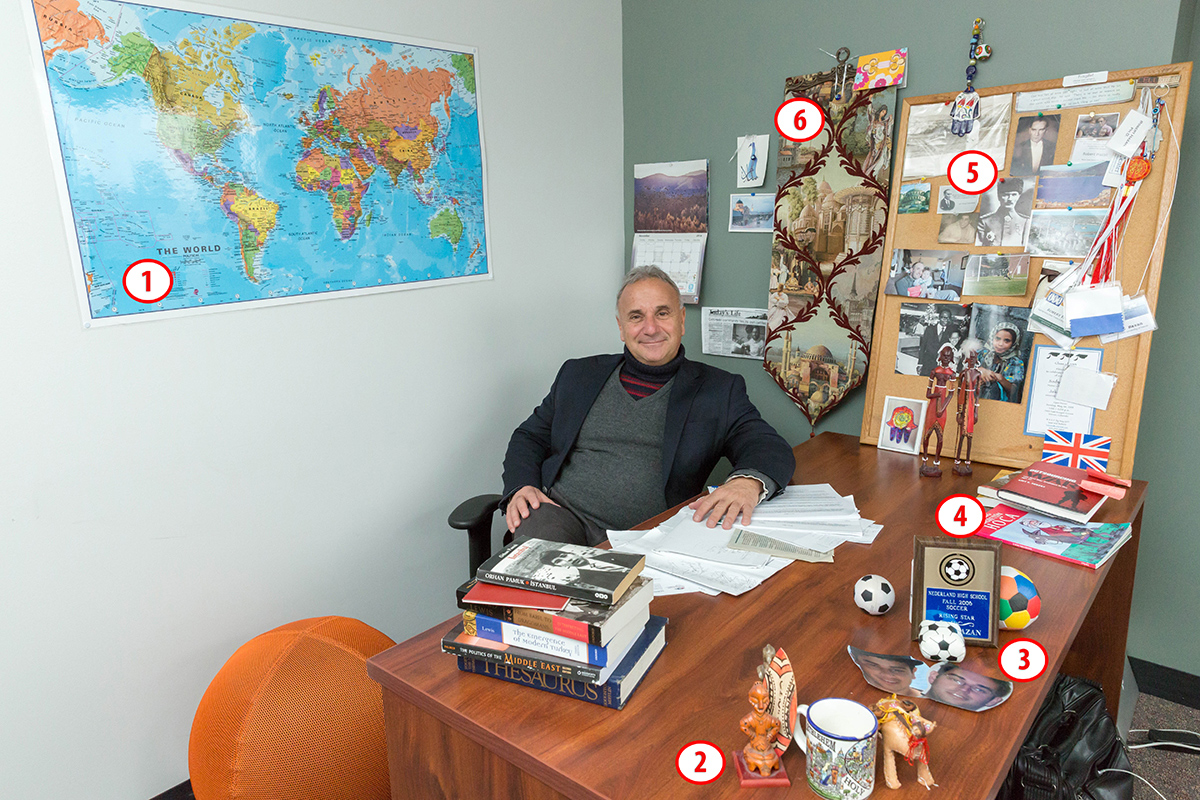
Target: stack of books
567	619
987	492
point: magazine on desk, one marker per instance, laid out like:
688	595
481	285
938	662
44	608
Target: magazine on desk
1089	545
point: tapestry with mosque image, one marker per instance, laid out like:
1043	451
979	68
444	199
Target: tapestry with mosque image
831	205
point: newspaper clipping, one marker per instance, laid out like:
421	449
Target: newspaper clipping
740	332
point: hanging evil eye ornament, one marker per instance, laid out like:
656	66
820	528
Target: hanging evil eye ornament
965	108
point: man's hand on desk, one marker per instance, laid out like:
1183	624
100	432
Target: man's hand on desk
737	496
521	502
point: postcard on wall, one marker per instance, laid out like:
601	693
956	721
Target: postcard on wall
1001	275
671	197
930	145
914	198
680	255
1045	411
889	68
752	160
752	213
1074	185
1093	132
1064	234
952	201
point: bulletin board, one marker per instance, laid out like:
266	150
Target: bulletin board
999	436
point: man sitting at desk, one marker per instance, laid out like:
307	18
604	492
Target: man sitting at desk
624	437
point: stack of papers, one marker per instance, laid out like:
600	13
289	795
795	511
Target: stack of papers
803	523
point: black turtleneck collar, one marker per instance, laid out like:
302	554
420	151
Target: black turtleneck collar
658	375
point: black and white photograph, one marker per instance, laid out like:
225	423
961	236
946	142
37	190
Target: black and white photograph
1034	147
952	201
1005	342
929	143
958	228
1064	233
924	328
930	274
1004	212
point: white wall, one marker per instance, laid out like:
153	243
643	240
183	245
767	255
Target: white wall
170	489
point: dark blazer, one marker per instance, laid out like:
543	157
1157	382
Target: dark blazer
1022	160
709	415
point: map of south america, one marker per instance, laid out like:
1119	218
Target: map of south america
259	162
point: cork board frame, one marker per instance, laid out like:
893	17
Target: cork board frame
999	435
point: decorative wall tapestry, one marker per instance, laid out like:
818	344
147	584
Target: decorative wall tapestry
830	217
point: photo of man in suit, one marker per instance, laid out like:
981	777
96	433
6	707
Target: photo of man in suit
1036	139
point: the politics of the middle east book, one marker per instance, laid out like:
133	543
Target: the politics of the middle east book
570	570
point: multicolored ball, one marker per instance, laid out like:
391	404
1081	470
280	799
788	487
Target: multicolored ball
1019	600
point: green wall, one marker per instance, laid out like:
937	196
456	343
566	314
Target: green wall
698	74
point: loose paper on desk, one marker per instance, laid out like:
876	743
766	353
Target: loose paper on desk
1138	319
685	536
1085	387
721	577
1047	410
757	543
665	584
809	503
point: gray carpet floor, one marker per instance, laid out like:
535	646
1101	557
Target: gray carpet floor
1176	775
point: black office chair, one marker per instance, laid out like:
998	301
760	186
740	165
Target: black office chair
475	517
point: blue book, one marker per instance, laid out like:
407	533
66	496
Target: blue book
613	693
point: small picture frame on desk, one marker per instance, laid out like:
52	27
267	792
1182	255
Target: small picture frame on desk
902	425
958	580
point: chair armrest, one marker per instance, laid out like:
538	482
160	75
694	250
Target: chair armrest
473	511
475	517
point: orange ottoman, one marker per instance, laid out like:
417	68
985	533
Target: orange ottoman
293	716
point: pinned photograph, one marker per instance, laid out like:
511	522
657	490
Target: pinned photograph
1004	213
930	145
752	160
1006	342
1006	276
914	198
752	213
671	197
1075	185
1064	234
952	201
924	329
1093	132
932	274
958	228
1034	148
903	425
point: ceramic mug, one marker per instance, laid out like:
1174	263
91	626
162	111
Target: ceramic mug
839	745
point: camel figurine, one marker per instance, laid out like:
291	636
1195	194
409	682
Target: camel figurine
903	730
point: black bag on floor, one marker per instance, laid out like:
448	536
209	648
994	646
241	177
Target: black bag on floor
1072	739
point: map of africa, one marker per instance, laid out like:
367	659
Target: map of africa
258	162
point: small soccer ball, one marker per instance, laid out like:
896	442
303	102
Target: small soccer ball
942	641
1019	600
874	594
957	570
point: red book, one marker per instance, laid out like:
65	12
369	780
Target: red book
1052	489
491	594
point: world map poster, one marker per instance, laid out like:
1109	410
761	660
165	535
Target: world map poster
258	162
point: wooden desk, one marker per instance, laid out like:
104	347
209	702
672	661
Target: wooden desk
456	735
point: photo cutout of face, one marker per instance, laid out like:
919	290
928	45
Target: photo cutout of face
955	685
892	674
1004	213
1034	148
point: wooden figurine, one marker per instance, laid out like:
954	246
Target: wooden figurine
903	730
968	411
939	392
758	763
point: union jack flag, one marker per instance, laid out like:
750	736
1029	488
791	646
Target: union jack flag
1078	450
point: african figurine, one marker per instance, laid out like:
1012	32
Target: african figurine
939	392
968	411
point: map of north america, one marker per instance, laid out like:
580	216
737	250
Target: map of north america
259	161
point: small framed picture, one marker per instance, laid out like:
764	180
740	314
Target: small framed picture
902	426
958	580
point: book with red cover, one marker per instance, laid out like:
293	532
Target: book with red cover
491	594
1089	545
1052	489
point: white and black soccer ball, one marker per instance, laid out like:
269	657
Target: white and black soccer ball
957	570
874	594
941	640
